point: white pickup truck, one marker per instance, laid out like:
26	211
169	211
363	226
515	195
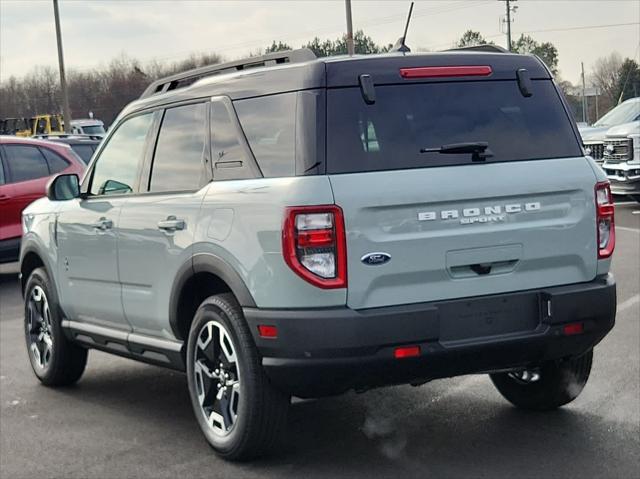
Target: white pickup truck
614	142
89	126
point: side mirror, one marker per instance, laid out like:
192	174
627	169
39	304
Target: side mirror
63	187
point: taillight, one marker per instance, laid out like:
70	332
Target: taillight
438	72
605	220
314	245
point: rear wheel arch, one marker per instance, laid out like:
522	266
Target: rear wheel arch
202	276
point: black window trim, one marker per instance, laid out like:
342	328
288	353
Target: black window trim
5	171
250	159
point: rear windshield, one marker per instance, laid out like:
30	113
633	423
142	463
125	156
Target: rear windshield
404	119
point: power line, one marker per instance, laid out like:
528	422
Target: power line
586	27
582	27
336	28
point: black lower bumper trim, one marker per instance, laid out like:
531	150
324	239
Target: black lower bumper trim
9	250
328	351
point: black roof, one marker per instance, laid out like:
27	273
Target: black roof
328	72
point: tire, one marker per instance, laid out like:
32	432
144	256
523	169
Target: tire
558	383
55	360
241	414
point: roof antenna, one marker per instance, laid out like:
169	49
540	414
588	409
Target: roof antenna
400	45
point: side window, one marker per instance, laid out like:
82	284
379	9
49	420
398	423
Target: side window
25	163
269	125
55	161
85	152
178	160
116	170
1	172
227	153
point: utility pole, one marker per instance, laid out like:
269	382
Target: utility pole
63	81
350	45
510	9
585	116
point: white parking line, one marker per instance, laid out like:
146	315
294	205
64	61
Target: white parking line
628	303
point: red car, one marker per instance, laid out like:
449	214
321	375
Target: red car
26	165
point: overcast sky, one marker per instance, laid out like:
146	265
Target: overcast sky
94	31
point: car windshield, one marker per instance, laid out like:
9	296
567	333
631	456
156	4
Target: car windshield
628	111
93	130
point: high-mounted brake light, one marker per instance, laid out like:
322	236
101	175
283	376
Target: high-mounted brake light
314	245
605	224
437	72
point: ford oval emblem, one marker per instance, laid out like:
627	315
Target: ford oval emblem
374	259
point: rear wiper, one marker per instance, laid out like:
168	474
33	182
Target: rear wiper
479	149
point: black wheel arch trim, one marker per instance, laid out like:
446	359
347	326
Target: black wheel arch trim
30	246
206	263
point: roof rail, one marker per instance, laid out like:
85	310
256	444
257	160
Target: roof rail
181	80
480	48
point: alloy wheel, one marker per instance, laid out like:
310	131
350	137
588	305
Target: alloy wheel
217	378
39	327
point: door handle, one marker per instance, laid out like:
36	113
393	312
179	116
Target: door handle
103	224
172	224
4	197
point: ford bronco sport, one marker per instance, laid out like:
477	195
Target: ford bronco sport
292	226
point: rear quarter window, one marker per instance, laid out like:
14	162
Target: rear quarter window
55	161
85	152
406	118
269	124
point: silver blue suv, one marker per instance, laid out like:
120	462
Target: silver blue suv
292	226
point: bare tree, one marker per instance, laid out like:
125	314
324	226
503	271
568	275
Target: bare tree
605	76
103	91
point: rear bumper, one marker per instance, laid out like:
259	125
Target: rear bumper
322	352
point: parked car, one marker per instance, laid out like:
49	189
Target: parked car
26	166
89	126
291	226
614	142
83	145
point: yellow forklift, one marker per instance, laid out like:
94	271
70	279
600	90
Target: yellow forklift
42	125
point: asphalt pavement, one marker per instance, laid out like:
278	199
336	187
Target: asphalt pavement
126	419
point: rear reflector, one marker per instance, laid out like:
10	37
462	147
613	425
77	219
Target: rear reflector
407	352
268	331
572	329
436	72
